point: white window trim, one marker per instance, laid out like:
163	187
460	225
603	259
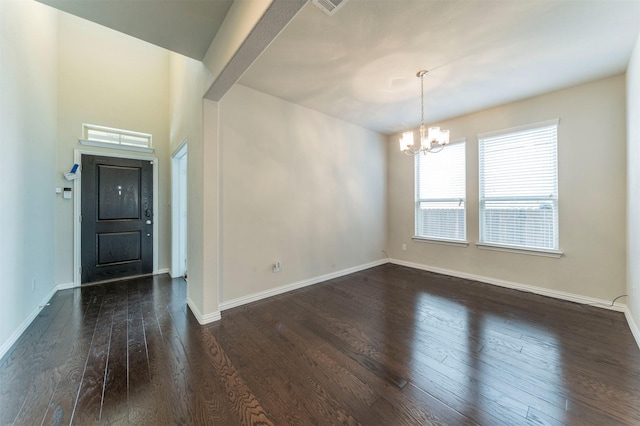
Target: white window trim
520	250
108	145
444	241
546	123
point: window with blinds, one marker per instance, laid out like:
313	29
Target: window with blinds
116	136
441	194
519	187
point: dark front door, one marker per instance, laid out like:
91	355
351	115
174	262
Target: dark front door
117	218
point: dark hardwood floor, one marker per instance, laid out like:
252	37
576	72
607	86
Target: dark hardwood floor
385	346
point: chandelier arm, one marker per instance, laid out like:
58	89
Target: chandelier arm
437	151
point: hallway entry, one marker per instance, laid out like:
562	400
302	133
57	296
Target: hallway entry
179	212
116	218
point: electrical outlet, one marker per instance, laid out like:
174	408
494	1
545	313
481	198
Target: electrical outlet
404	247
277	266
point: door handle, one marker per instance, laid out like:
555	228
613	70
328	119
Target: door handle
148	222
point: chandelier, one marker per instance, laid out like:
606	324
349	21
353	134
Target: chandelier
432	140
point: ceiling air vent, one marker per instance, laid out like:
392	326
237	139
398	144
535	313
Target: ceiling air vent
329	6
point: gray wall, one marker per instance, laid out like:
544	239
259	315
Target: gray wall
28	130
298	186
592	195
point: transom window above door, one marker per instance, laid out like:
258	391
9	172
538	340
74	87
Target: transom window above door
114	136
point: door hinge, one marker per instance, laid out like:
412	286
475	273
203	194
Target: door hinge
80	269
80	218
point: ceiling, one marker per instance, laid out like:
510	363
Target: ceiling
359	65
183	26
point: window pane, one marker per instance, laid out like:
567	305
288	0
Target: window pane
134	140
100	136
440	194
116	136
441	220
519	188
523	224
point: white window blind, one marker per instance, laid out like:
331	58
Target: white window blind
519	187
441	194
116	136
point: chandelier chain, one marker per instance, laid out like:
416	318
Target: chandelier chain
422	99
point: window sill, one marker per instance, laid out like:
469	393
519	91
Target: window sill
116	146
511	249
441	241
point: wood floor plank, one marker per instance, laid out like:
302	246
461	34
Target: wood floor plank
389	345
207	393
341	335
88	405
427	409
321	349
321	370
141	406
167	401
246	406
115	390
285	402
41	362
24	364
348	382
69	373
34	407
317	401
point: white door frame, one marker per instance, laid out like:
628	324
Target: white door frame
179	160
77	203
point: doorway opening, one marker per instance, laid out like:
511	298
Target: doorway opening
179	212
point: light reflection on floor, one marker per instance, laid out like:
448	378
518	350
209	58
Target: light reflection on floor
475	349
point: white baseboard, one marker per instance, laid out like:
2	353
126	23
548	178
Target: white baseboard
163	271
296	285
65	286
600	303
4	348
203	319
